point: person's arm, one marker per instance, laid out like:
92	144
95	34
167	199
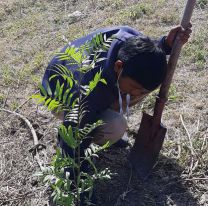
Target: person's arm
165	47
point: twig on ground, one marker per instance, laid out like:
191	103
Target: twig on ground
36	146
204	143
5	101
179	148
190	147
129	182
26	101
21	196
124	194
189	136
50	40
198	124
17	198
5	142
35	138
195	165
195	178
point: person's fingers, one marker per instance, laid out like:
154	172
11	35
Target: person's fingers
188	31
176	29
184	35
184	41
190	25
184	38
180	29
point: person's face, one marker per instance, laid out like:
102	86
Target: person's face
128	85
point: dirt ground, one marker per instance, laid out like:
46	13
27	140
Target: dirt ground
31	31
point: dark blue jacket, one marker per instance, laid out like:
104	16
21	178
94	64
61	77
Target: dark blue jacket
103	95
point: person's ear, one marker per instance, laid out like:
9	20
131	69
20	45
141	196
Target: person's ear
118	66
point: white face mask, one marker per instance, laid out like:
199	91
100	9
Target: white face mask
121	101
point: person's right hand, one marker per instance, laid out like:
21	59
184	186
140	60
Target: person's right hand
184	35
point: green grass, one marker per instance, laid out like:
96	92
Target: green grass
196	51
20	27
127	15
170	17
118	4
38	60
139	10
173	95
27	72
202	3
14	105
7	75
2	97
149	101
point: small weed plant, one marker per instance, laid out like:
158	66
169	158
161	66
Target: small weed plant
140	10
149	102
202	3
64	175
197	52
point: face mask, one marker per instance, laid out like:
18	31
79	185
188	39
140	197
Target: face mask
121	101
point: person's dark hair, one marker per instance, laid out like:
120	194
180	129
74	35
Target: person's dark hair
143	61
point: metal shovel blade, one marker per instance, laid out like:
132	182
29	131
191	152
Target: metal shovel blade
147	146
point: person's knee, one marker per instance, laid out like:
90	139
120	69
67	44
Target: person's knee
116	129
111	131
119	126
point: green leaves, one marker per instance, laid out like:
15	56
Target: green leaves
100	43
65	93
72	54
67	136
89	128
95	81
42	90
73	114
103	174
87	89
86	182
61	70
40	99
61	161
61	100
93	149
49	102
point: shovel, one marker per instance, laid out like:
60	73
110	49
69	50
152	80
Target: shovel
151	134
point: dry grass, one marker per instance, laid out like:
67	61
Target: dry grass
31	31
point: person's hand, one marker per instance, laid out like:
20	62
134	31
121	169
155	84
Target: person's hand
184	35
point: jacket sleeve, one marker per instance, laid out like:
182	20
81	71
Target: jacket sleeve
161	43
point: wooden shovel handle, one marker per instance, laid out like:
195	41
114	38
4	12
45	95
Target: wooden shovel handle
176	49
